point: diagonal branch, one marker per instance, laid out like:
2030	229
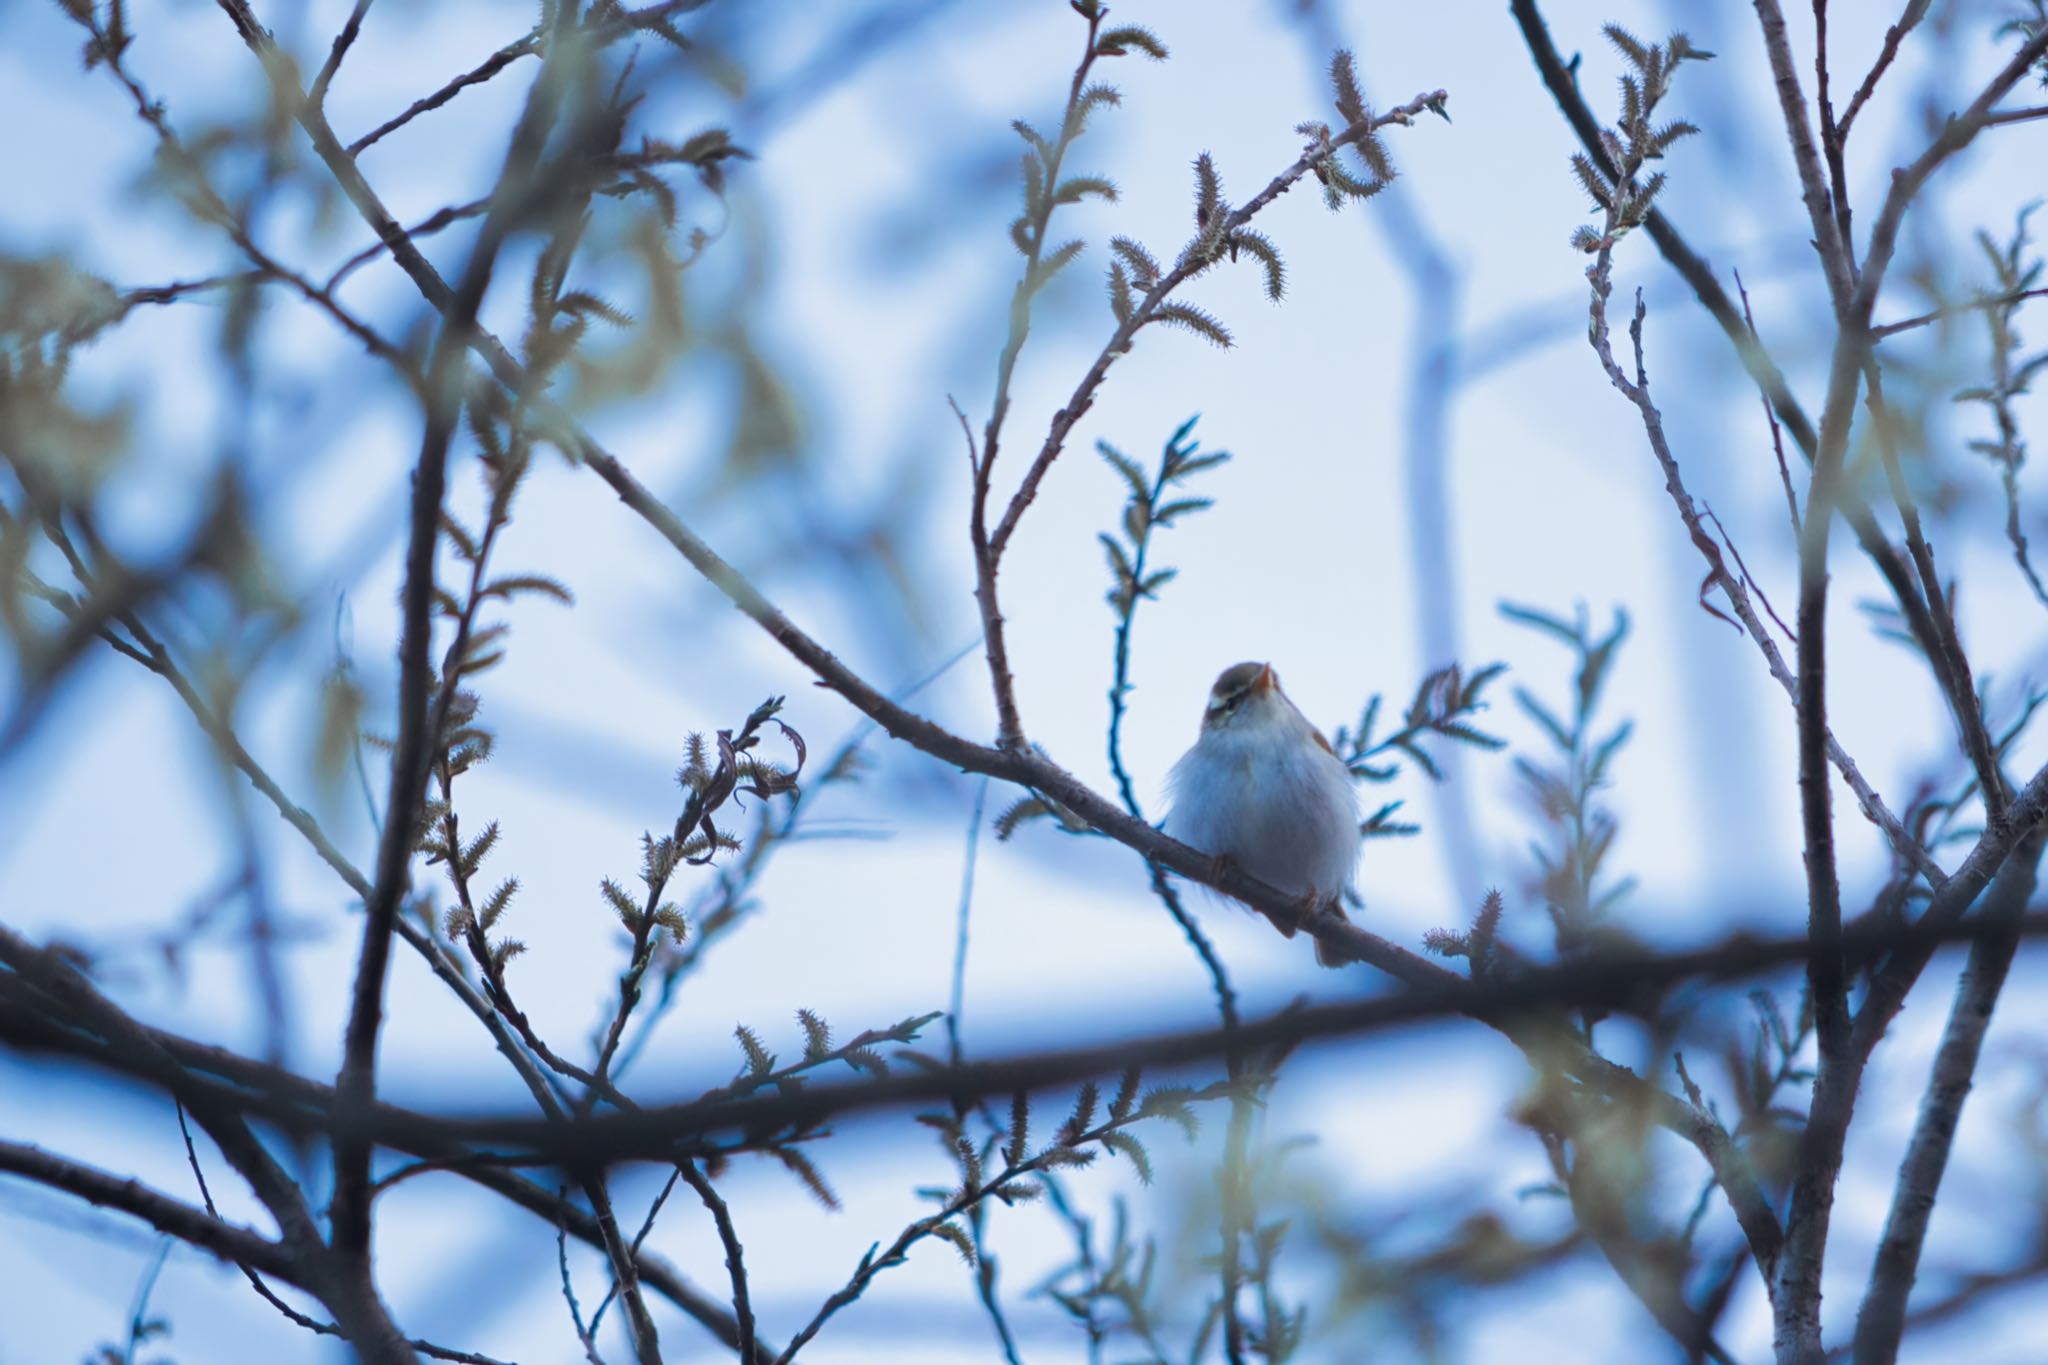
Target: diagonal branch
511	52
1083	396
1956	134
343	41
1909	19
195	1227
1881	1320
1731	584
735	1263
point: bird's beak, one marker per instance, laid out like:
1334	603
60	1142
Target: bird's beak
1267	681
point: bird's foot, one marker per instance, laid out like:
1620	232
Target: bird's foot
1307	906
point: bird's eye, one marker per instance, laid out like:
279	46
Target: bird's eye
1225	703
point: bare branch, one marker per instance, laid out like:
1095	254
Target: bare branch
735	1263
1915	11
1813	183
528	46
1898	576
2016	116
1881	1321
195	1227
1083	396
1954	310
1617	982
343	41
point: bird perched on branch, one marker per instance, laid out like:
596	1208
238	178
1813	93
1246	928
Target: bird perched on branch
1262	791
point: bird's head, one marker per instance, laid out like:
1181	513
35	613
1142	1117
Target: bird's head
1246	697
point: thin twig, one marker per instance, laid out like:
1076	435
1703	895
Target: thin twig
987	552
1915	11
528	46
343	41
1749	579
1637	392
583	1333
1951	661
958	995
1955	309
1828	235
1833	144
426	227
180	289
1771	416
735	1263
2016	116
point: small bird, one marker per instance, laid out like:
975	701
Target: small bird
1262	790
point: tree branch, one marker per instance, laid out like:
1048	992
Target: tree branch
1559	80
735	1261
31	1024
1881	1321
1617	983
352	1300
1954	309
1813	182
1915	11
343	41
512	200
1797	1301
1083	396
195	1227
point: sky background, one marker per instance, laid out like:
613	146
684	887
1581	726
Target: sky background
864	261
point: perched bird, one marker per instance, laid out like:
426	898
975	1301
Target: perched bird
1262	790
